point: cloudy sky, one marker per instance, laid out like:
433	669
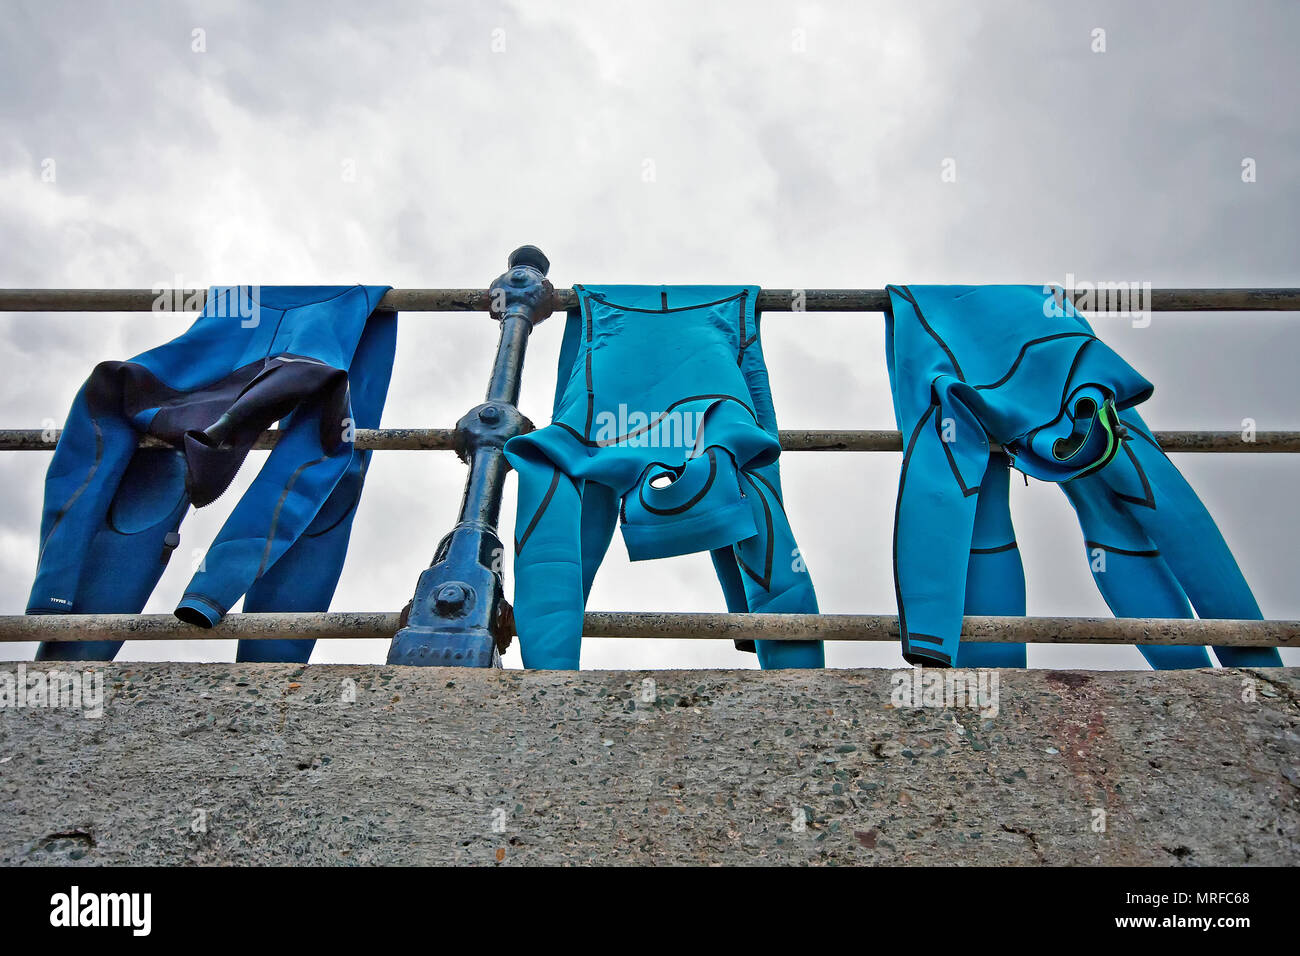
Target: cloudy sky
782	144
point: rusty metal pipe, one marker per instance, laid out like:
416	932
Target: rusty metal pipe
478	300
444	439
670	626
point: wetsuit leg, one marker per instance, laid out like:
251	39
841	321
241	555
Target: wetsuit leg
1194	549
306	575
131	549
790	588
772	575
549	573
945	458
599	519
1129	570
995	576
94	450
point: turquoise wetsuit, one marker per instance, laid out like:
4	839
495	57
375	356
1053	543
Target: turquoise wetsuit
971	366
663	424
314	359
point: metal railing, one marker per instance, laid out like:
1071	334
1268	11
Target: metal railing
377	625
480	300
798	439
459	615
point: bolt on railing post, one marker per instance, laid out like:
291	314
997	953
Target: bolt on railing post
459	616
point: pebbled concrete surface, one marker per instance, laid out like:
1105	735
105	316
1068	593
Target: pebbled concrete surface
274	764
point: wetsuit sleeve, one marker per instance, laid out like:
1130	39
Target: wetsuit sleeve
933	525
549	578
995	576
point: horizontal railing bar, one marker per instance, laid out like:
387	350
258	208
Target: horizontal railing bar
673	626
334	625
1171	441
1098	301
391	439
192	300
884	627
769	300
443	439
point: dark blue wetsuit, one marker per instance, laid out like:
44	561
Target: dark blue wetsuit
315	359
971	366
663	424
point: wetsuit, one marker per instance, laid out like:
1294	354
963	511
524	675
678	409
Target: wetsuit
974	366
315	359
663	424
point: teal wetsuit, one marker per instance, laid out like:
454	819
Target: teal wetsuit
973	366
663	424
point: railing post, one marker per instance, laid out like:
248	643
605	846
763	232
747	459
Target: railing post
459	616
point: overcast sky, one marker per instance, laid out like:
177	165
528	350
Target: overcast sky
781	144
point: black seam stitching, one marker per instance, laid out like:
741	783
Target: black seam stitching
952	462
906	293
766	580
1147	502
1024	348
1151	553
898	504
63	511
607	442
696	499
537	516
681	308
1002	547
275	516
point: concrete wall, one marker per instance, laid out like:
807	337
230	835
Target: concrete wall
249	764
